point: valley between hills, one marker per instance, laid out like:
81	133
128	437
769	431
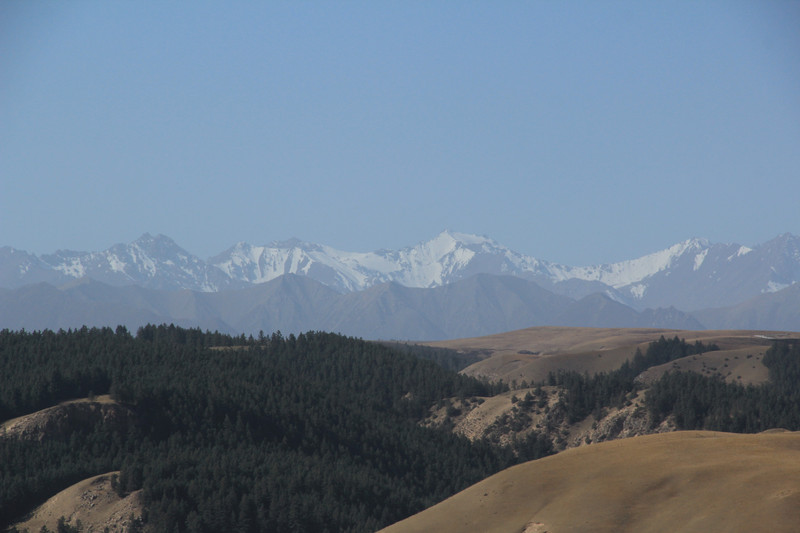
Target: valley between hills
584	429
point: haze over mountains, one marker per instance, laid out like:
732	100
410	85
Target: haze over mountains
453	285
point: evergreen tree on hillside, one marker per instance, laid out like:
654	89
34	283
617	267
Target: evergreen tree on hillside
314	432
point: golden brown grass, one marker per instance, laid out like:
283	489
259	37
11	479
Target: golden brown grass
530	354
61	419
92	502
686	482
741	365
15	425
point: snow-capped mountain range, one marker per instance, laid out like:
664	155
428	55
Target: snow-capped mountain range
446	258
691	275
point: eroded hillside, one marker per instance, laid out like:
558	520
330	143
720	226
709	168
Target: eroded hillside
61	420
592	384
321	431
534	417
91	506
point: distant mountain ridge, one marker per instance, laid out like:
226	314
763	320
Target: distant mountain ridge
719	284
151	262
479	305
694	274
446	258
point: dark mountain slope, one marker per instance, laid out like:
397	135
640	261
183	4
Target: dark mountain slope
777	311
600	311
480	305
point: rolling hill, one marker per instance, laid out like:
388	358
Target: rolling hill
687	482
301	427
530	354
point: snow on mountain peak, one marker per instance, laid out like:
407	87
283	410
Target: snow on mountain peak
158	262
427	264
699	258
467	239
634	270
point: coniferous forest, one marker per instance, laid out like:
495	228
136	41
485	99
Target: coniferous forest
705	402
693	400
316	432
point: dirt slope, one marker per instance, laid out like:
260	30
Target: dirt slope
61	419
685	482
92	502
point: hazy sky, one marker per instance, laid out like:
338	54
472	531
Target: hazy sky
576	132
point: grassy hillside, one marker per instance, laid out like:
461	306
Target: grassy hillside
93	504
319	432
653	391
684	482
531	354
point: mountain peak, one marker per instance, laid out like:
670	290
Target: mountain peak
291	242
152	245
689	274
294	243
787	239
697	242
148	239
463	238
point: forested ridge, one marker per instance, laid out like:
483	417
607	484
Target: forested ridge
316	432
705	402
694	401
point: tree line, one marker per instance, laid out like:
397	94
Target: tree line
314	432
709	402
694	401
583	395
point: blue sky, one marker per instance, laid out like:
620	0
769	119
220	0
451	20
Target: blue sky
576	132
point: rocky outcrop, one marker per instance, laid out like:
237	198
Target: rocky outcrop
515	414
630	421
61	420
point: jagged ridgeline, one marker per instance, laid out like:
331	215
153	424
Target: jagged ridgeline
317	432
